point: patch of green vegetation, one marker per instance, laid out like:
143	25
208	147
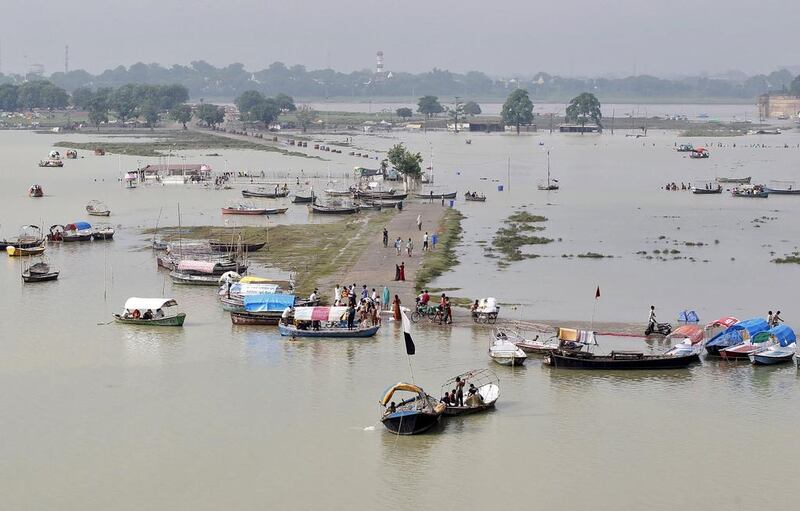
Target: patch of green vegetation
509	240
442	289
443	258
523	217
311	252
593	255
160	143
793	258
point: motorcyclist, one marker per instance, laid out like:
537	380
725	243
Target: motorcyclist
652	324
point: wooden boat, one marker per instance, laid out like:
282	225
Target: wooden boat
255	318
618	360
103	232
303	199
39	272
735	180
159	312
333	210
338	193
474	197
412	415
52	162
263	193
750	192
97	208
685	148
736	334
486	391
328	333
13	251
782	345
30	236
36	191
219	246
194	280
243	210
714	190
431	195
782	188
71	154
380	204
506	353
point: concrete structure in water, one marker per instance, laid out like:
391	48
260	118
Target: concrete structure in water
778	106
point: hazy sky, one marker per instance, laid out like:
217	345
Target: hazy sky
569	37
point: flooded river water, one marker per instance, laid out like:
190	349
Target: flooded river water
99	416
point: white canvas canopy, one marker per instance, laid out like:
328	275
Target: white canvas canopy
319	313
149	303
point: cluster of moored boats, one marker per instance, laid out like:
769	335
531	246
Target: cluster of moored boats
727	338
337	202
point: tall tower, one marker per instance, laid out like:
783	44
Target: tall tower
66	59
379	63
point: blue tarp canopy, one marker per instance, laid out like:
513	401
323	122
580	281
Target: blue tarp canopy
733	335
268	302
688	316
80	226
784	334
753	326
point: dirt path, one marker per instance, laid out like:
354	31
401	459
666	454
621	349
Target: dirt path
375	267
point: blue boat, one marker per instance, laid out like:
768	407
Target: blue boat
736	334
782	351
339	332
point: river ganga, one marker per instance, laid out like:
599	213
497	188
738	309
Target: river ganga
98	415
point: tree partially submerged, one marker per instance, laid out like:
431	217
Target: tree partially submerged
306	117
429	106
584	107
518	109
472	108
408	164
404	112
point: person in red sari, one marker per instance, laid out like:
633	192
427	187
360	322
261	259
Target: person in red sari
396	308
402	272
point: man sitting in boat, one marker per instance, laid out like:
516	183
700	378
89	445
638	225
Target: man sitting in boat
159	314
148	314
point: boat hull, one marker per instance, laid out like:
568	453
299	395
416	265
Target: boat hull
339	333
232	247
766	360
195	280
13	251
265	195
410	423
28	277
609	362
455	411
451	195
508	360
170	321
333	210
232	211
255	318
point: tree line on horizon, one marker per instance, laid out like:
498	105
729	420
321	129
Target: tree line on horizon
203	80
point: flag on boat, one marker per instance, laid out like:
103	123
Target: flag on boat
410	348
597	293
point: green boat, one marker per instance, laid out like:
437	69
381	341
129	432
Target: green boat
151	312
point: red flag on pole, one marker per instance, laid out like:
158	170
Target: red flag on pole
597	293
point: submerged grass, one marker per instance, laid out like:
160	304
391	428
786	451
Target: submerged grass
509	240
443	258
160	143
793	258
311	252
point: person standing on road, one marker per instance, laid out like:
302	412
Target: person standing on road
419	222
409	247
425	242
385	238
397	244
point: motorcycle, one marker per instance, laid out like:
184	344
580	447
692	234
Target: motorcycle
658	328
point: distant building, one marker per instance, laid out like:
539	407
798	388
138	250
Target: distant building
485	126
778	106
577	128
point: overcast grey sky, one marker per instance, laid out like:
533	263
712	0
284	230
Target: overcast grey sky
501	37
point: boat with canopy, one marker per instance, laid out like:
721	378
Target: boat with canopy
151	312
412	415
262	309
718	325
736	334
783	344
687	339
324	322
77	231
97	208
506	353
481	391
39	272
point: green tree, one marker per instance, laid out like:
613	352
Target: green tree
456	112
405	162
123	102
285	103
583	107
404	112
265	111
82	97
247	103
429	106
306	116
472	108
150	112
98	111
211	115
181	114
794	88
518	109
9	97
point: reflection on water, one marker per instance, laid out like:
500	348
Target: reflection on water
216	415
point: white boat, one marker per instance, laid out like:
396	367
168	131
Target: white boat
781	350
534	345
506	353
688	340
